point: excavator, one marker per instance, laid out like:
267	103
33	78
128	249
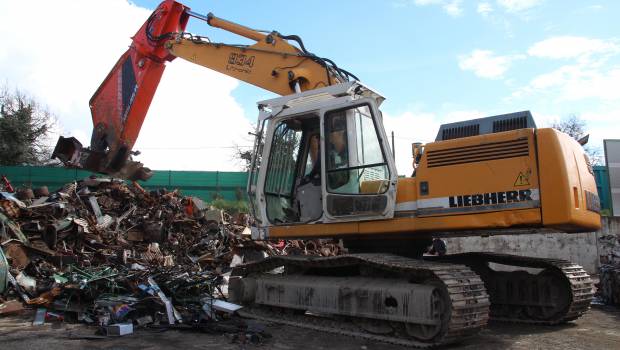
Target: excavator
322	168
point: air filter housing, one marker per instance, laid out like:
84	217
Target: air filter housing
488	125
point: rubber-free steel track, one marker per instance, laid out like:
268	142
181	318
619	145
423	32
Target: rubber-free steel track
468	302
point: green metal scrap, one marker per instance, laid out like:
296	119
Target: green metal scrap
84	277
4	272
13	228
60	279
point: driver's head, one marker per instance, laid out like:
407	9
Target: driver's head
338	140
314	147
337	135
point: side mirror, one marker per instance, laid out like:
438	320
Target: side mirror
582	141
417	148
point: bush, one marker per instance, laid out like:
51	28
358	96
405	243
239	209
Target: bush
231	207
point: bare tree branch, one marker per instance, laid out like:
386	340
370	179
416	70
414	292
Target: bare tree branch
575	127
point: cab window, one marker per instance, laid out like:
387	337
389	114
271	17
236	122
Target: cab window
292	182
355	163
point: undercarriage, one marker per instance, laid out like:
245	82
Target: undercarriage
413	302
534	290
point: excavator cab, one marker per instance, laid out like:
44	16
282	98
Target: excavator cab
321	156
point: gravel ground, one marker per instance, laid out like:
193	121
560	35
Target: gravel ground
598	329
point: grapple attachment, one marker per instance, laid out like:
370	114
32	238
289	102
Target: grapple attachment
71	152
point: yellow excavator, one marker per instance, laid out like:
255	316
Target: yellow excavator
322	168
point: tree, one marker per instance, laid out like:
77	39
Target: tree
244	157
24	130
572	125
243	154
575	127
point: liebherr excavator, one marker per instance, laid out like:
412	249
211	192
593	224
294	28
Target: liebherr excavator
322	168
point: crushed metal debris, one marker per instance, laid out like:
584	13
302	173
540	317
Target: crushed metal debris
609	271
116	256
609	284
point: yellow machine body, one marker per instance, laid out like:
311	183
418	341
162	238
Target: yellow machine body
526	178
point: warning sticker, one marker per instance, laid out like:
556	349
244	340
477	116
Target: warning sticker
523	179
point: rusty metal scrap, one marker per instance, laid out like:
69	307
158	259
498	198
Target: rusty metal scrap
104	251
11	307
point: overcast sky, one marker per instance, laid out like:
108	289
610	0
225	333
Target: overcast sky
435	60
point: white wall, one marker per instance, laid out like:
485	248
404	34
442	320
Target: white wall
580	248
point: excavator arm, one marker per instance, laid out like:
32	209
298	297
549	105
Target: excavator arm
272	63
121	102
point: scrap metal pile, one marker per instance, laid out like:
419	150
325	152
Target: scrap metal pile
609	272
105	252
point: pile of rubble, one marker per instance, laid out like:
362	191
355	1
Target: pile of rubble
114	255
609	284
609	272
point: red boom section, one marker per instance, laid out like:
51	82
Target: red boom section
121	102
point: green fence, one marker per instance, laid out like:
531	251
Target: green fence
204	184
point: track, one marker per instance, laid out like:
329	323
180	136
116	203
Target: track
560	292
467	299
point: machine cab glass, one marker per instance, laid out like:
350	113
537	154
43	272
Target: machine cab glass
356	166
328	165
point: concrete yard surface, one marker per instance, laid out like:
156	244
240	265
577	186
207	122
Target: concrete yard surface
598	329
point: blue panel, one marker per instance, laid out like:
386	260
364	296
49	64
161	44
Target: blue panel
602	185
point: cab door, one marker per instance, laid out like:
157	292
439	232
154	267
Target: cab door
358	170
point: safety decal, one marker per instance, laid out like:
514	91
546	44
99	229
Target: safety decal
523	179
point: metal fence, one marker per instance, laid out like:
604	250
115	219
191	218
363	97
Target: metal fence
206	185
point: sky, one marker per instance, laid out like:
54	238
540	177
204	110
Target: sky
435	61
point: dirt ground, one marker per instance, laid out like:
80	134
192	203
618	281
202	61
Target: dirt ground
598	329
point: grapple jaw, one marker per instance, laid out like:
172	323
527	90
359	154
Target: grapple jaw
116	164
